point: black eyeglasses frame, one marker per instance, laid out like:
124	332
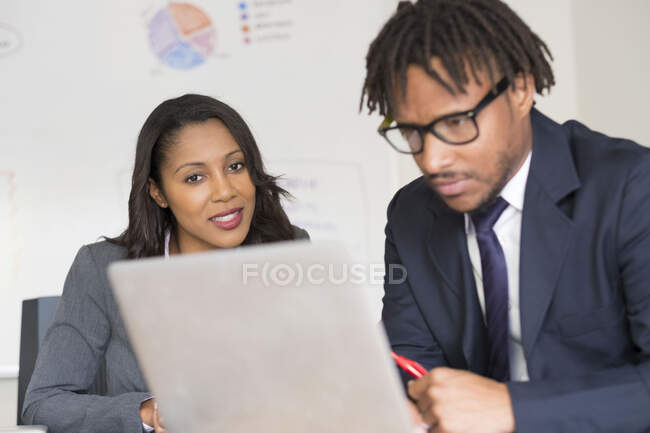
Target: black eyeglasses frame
384	128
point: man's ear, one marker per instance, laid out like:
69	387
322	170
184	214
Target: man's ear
523	95
157	195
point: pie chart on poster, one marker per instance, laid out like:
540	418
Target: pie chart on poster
181	35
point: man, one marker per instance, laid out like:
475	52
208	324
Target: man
526	243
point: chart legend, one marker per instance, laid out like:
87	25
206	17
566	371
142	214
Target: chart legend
263	21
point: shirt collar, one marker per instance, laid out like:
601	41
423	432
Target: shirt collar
515	190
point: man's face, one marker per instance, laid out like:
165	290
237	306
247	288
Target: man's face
467	176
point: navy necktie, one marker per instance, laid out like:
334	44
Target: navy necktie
495	288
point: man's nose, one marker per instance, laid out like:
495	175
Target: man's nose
436	156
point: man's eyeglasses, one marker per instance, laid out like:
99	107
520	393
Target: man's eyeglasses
455	128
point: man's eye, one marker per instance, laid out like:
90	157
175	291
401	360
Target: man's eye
456	122
194	178
408	133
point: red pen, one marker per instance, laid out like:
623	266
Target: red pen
409	366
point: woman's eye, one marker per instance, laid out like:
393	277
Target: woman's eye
236	166
194	178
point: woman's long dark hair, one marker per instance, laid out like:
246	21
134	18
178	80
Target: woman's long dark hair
144	236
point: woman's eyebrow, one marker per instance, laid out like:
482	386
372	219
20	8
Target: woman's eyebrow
189	164
233	152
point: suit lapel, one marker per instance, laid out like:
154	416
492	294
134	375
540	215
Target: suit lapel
547	232
458	309
475	332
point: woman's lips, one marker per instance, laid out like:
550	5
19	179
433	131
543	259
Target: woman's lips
452	188
228	220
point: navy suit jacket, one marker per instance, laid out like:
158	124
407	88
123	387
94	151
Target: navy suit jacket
584	284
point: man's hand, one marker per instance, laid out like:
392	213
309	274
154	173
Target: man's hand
457	401
418	425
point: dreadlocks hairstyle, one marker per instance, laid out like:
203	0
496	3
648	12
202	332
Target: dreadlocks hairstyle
485	35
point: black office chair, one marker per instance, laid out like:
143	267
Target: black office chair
37	316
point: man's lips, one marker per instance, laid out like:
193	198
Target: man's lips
451	188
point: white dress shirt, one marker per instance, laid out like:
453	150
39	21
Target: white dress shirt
508	231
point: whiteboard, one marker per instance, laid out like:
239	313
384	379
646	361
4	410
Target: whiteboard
79	78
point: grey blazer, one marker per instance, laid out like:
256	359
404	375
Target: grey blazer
87	330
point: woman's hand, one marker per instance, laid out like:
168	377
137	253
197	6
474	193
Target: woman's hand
158	423
151	416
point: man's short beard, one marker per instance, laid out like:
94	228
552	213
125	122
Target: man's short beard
507	165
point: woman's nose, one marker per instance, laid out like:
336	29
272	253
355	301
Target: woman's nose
222	189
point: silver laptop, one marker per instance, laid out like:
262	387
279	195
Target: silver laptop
277	338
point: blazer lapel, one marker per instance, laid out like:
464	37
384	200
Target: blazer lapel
458	309
474	331
547	232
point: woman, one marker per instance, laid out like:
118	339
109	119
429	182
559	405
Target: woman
198	184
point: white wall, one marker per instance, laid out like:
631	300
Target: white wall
8	401
613	65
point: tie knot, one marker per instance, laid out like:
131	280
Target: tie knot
484	220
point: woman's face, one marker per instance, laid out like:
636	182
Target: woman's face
206	184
